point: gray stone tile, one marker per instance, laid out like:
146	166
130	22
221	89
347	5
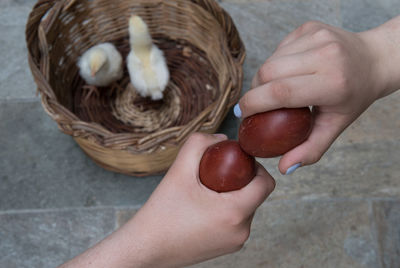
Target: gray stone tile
16	80
15	12
387	216
15	77
358	170
49	238
40	167
308	234
262	25
381	122
17	3
361	15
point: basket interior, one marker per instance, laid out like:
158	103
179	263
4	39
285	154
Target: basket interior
120	109
193	41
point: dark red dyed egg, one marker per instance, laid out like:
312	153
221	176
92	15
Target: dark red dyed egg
226	167
274	133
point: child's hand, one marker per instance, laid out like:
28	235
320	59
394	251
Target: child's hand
338	72
184	222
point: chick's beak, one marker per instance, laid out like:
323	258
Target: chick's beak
94	69
96	64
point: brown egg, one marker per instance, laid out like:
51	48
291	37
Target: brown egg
274	133
226	167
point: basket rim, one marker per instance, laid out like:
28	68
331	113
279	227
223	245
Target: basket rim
40	21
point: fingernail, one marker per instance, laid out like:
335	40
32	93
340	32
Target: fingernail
293	169
237	111
220	136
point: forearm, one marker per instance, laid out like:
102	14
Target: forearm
126	248
384	43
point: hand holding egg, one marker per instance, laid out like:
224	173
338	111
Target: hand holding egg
229	165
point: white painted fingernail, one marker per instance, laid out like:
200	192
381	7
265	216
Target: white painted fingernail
292	169
220	136
237	111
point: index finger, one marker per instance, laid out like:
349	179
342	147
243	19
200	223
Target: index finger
292	92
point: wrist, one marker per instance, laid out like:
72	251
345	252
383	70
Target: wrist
383	44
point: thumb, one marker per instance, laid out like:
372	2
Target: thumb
327	128
254	194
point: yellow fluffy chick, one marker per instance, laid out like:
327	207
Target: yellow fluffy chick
101	65
146	62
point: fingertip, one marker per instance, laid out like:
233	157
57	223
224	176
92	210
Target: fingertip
286	162
303	155
294	159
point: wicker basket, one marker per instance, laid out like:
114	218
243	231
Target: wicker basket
204	54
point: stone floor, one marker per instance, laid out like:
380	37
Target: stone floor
342	212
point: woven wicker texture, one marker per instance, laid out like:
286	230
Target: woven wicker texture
117	128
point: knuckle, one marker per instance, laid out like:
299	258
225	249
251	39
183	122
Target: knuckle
324	34
197	138
341	82
280	92
265	72
309	25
